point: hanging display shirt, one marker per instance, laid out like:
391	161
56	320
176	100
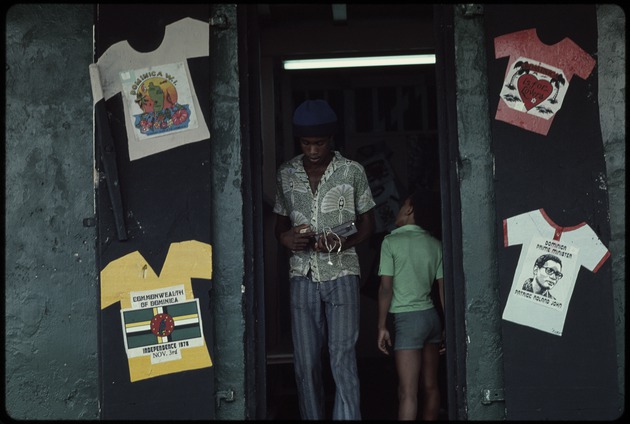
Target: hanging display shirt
159	99
161	321
567	248
537	78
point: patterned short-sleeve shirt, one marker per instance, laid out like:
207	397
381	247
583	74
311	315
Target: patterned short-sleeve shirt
343	194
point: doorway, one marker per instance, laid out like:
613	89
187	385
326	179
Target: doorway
388	123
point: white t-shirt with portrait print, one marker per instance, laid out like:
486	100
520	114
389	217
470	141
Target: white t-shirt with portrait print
577	246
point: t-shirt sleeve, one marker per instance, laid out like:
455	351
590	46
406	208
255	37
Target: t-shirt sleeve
594	253
280	206
364	200
386	264
518	229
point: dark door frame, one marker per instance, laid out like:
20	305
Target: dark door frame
249	43
249	83
451	211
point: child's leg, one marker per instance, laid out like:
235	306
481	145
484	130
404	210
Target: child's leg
408	367
429	379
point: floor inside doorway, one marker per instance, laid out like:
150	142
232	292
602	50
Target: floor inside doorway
378	390
378	379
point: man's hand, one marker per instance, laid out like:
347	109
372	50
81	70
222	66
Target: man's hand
297	238
329	243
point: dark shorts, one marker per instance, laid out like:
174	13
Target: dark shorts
414	329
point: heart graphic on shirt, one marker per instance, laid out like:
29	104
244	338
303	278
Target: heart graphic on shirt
533	91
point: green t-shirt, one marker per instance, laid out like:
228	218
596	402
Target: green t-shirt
414	258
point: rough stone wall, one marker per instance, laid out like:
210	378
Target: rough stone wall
51	294
227	212
484	365
611	24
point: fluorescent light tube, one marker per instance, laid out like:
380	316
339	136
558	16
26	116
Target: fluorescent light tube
355	62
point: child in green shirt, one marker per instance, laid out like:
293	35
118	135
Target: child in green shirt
410	262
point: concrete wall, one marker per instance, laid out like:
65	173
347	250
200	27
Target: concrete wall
51	287
227	211
484	365
611	24
51	290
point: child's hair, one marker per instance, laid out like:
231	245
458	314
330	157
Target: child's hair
426	210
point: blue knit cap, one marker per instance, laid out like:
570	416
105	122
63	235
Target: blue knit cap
314	118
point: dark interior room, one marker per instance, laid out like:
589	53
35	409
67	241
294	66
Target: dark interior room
388	123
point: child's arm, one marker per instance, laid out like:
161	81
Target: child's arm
440	282
384	301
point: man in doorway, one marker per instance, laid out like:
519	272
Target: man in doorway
317	191
547	272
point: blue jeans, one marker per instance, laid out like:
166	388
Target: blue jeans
318	308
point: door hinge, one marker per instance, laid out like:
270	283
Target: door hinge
471	10
226	395
89	222
219	21
492	395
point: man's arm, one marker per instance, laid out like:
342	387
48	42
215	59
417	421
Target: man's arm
293	238
283	223
365	228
